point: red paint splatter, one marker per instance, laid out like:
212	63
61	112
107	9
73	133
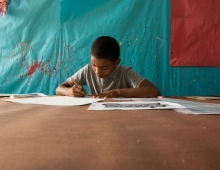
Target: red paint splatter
32	69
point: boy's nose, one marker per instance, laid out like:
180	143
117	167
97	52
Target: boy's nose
98	71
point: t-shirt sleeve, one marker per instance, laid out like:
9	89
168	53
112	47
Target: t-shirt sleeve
133	78
79	76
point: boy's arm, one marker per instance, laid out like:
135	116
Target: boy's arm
146	89
66	90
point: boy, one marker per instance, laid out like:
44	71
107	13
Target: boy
105	78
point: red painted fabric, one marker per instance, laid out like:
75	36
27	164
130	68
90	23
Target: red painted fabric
195	33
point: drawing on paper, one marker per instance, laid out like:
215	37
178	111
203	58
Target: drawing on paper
127	105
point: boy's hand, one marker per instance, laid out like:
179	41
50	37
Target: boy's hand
76	91
108	94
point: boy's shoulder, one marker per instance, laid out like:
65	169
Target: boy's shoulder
124	68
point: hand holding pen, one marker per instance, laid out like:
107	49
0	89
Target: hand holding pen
76	90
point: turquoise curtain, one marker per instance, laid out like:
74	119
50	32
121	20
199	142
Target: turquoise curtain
45	42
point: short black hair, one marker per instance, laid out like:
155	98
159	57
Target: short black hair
105	47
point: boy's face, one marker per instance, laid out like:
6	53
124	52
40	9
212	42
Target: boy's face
103	67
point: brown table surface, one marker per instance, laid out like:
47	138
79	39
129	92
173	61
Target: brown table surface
59	137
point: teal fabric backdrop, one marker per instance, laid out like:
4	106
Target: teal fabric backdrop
45	42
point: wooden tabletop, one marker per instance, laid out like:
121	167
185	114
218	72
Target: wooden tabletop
38	137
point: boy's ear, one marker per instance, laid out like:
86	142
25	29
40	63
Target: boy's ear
117	61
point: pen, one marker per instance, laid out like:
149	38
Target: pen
74	81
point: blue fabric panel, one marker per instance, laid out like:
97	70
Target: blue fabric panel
45	42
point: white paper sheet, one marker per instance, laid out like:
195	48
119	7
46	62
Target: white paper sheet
191	107
55	100
22	95
133	105
204	97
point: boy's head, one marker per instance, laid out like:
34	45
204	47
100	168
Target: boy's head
105	47
105	53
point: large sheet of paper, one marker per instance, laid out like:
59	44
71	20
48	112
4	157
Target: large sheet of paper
191	107
55	100
134	105
22	95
